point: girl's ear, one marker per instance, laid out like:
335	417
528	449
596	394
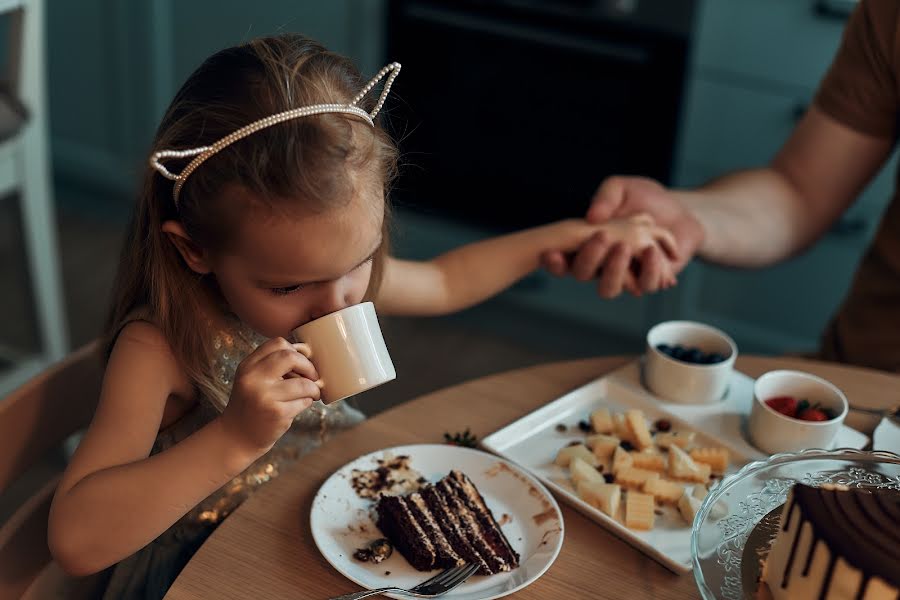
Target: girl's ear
195	256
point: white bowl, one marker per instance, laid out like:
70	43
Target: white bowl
683	382
771	431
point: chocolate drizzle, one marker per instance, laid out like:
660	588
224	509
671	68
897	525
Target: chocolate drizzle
860	526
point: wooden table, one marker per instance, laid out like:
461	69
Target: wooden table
265	548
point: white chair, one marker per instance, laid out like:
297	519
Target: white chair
25	172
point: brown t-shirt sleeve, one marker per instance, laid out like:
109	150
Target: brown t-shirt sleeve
860	89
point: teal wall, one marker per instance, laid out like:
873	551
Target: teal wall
113	66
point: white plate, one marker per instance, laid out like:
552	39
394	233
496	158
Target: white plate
341	520
533	442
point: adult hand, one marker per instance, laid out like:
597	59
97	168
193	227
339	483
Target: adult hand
620	197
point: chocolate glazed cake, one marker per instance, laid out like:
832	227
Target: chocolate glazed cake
444	525
835	543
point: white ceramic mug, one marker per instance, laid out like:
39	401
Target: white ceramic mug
771	431
682	382
348	351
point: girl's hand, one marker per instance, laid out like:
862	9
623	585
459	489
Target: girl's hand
623	197
632	253
272	385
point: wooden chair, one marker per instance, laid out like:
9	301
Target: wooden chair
34	420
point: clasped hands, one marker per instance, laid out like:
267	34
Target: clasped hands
645	235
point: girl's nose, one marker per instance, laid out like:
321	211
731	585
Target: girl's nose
331	297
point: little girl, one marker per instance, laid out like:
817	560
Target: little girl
265	208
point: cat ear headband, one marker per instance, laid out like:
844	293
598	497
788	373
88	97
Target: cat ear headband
204	152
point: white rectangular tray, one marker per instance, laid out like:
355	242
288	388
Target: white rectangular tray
533	442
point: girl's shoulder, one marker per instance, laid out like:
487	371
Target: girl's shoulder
141	347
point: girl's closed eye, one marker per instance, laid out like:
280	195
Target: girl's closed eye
286	290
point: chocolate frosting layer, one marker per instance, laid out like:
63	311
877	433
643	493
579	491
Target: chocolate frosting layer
860	525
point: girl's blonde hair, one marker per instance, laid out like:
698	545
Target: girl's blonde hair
313	159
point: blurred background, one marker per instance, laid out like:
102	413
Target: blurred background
510	113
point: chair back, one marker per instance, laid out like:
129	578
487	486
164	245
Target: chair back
35	419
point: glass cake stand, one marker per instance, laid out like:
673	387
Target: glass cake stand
735	525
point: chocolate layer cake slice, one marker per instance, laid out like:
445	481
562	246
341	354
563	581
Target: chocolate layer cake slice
446	555
492	533
444	525
400	526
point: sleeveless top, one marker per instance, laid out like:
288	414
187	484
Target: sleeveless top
149	573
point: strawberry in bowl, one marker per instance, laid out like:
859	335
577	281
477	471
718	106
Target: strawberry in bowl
789	406
793	411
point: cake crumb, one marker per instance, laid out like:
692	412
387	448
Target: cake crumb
392	476
504	519
376	552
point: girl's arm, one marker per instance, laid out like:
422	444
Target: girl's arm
114	498
473	273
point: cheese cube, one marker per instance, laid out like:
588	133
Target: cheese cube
621	460
682	466
639	511
603	445
637	425
602	421
579	471
565	455
682	439
688	506
604	496
635	478
663	490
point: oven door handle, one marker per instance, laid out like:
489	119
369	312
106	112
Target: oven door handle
627	53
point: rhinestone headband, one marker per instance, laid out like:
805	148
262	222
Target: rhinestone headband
204	152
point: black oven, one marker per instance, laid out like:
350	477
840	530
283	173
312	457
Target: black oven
510	112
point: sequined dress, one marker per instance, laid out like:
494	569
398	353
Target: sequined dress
149	573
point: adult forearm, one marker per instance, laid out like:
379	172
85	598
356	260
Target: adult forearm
751	218
114	512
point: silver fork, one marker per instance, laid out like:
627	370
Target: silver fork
439	584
